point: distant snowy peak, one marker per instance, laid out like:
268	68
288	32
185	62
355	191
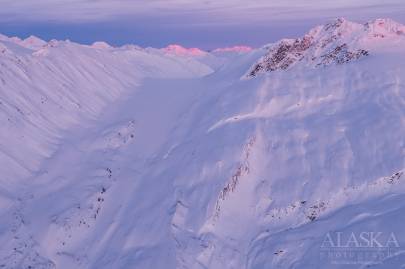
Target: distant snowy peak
131	47
33	42
338	42
101	45
196	52
238	49
385	28
182	51
351	32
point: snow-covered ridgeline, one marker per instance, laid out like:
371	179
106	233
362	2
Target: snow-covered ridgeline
337	42
48	87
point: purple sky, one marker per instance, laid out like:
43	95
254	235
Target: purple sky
206	24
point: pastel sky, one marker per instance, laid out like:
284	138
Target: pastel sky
193	23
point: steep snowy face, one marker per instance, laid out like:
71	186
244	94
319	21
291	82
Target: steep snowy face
293	148
337	42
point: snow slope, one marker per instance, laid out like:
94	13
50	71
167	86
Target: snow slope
143	158
48	90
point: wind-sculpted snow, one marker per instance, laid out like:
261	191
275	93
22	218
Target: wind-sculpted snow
143	158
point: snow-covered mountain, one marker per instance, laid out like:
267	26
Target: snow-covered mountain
337	42
180	158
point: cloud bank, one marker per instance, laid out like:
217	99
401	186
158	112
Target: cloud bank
197	23
205	11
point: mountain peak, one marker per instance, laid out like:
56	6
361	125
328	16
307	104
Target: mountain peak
101	45
336	42
384	27
182	51
32	42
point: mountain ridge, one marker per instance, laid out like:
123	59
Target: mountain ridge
337	42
